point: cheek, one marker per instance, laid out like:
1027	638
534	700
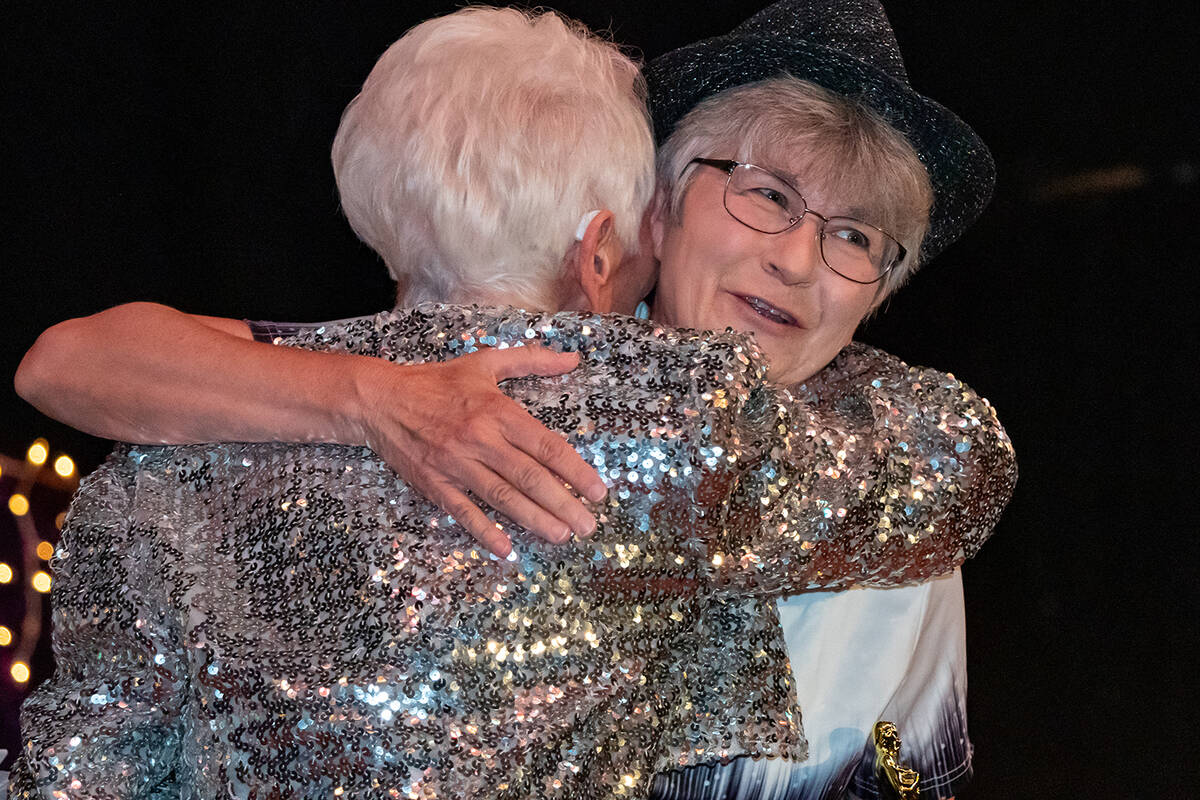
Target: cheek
685	278
843	310
846	304
700	255
677	294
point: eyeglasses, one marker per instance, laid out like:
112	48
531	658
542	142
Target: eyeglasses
763	201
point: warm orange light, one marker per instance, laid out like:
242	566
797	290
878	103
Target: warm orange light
41	581
20	671
5	572
38	452
18	504
64	466
45	550
5	636
60	519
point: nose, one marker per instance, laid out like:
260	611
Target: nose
794	256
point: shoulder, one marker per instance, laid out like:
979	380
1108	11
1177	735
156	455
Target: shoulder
876	376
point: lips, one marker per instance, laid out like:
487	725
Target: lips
767	311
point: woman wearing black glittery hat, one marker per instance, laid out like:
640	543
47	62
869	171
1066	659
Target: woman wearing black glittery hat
848	48
802	180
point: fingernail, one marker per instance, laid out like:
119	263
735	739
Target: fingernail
587	529
597	493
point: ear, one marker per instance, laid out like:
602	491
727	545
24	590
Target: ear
596	261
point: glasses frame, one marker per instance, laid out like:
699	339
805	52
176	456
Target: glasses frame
728	166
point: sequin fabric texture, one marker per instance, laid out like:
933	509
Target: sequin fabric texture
291	621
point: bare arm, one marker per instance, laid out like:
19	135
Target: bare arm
147	373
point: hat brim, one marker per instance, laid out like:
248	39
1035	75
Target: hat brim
959	164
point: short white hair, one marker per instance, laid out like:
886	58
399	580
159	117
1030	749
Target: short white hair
830	141
478	142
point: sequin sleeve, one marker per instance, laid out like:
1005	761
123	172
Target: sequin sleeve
874	472
107	723
277	332
889	475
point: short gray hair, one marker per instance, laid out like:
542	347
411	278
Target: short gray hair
829	140
478	142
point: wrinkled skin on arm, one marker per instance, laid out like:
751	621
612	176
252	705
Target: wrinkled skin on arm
146	373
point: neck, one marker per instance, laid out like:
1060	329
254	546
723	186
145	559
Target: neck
526	300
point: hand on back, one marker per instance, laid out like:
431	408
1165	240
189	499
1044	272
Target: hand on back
446	428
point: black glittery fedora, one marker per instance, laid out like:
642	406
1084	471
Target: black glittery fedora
848	47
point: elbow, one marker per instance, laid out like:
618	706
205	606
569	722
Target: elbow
1001	473
38	375
989	490
64	353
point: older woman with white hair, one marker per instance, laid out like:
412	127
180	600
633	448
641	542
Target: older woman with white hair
742	246
507	134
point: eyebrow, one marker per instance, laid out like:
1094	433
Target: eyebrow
860	213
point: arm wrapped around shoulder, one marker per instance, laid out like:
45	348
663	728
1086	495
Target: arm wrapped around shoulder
887	475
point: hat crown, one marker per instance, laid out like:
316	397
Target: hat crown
858	29
846	47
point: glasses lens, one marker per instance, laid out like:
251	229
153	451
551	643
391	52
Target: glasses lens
856	250
761	200
766	202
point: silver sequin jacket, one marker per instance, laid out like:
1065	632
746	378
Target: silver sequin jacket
268	620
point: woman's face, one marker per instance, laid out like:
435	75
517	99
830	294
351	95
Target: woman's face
715	273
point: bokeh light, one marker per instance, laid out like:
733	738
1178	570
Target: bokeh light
45	550
20	671
5	572
64	466
38	452
41	581
5	636
18	504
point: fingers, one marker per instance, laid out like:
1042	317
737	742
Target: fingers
538	496
545	447
500	493
467	436
506	498
516	362
470	517
557	457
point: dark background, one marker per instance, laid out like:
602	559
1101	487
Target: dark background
181	155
